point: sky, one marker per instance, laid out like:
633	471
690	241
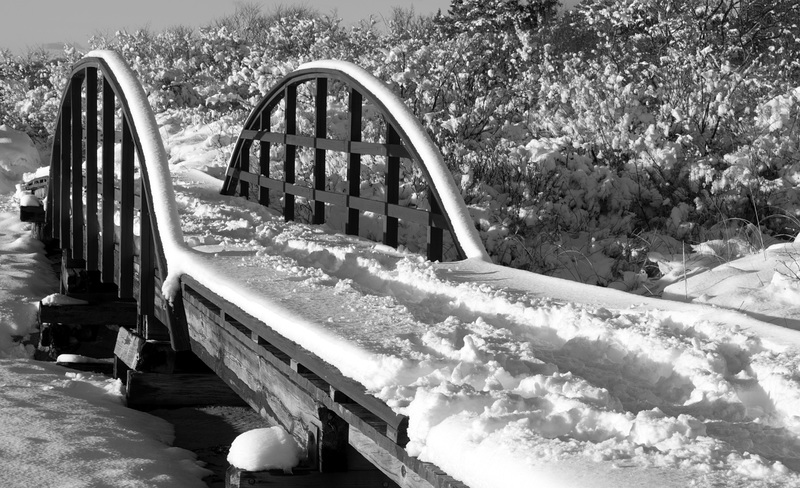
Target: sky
41	22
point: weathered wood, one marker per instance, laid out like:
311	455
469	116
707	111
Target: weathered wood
144	355
290	150
147	391
91	229
124	278
355	107
107	220
103	313
194	291
128	347
290	393
76	158
306	478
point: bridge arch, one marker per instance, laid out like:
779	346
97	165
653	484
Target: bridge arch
403	139
120	229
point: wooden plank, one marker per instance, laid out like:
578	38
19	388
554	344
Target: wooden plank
77	224
65	171
306	478
320	131
355	108
308	360
147	391
290	151
391	224
105	313
128	347
237	363
263	159
395	149
124	278
107	224
92	230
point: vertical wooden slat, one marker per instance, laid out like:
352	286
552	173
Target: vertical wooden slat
244	165
354	161
54	186
146	258
126	208
66	169
390	230
435	234
76	158
290	99
263	158
107	247
321	130
91	170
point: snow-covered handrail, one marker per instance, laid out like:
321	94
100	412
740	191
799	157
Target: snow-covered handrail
404	138
86	229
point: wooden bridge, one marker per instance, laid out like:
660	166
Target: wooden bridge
111	211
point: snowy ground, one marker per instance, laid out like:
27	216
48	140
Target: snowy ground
540	379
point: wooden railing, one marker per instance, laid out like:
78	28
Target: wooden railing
250	175
110	207
88	189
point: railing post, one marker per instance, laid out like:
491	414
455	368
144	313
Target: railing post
435	234
290	151
146	258
76	157
244	166
390	227
355	104
320	131
107	248
65	170
91	170
263	159
126	207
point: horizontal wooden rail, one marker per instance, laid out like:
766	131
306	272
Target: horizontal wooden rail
409	214
340	145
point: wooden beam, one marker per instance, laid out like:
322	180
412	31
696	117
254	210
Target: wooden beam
104	313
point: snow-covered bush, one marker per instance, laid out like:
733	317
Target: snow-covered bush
589	129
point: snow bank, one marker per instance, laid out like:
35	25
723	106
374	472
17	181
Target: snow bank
18	156
73	430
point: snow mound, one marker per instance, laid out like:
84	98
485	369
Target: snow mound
263	449
18	156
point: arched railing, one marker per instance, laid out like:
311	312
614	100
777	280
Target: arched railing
101	206
331	110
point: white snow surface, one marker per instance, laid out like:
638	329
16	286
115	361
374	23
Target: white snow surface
508	378
264	449
18	156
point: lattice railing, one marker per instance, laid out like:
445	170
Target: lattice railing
348	135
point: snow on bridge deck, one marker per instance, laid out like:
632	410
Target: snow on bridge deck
549	380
